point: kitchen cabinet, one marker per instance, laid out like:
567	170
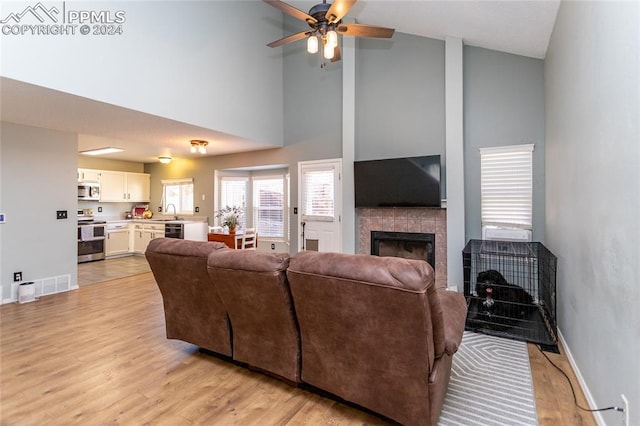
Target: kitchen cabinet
88	175
124	186
117	239
143	233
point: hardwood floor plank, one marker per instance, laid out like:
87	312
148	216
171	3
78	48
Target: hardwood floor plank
99	355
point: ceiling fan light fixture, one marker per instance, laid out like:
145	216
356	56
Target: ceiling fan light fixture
328	51
199	146
312	44
332	39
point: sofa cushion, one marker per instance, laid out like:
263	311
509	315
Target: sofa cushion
193	309
366	330
255	292
399	273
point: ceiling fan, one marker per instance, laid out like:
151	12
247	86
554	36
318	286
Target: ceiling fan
325	20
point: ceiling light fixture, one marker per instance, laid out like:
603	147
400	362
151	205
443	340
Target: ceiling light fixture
312	44
165	160
199	146
328	51
101	151
332	38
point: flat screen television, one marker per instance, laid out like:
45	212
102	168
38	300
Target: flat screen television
398	182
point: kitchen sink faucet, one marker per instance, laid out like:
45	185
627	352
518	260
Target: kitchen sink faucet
175	214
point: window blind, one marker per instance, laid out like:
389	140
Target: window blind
319	193
268	206
507	185
233	193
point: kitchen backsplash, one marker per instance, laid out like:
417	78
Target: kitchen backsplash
109	210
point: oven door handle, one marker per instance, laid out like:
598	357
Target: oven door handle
92	239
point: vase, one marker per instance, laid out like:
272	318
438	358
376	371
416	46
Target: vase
232	229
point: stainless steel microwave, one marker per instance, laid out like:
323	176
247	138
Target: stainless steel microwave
89	191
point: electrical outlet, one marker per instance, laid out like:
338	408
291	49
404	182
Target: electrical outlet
273	246
61	214
626	410
99	209
197	209
17	277
159	209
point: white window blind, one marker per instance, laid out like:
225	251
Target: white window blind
319	194
179	194
268	206
233	193
507	185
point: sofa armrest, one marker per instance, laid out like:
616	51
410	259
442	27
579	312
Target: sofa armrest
454	307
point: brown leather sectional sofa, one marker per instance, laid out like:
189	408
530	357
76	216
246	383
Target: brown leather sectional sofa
371	330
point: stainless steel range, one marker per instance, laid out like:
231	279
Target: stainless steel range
91	237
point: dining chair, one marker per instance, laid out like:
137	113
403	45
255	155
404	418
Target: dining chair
249	239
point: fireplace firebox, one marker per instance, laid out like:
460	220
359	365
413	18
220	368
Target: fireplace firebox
408	245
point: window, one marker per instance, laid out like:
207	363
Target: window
319	194
507	186
179	194
268	206
233	193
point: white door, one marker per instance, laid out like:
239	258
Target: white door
320	204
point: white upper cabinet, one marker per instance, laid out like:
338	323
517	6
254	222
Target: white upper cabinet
138	187
88	175
124	187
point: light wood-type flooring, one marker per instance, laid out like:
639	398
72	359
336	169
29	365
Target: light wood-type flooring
99	355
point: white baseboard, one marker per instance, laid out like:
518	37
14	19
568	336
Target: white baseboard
583	385
43	287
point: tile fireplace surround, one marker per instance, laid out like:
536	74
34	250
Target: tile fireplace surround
427	220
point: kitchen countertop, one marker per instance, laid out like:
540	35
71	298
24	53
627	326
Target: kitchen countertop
156	221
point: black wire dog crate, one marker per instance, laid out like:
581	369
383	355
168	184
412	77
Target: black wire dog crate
510	289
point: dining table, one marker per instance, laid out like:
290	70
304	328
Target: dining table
232	240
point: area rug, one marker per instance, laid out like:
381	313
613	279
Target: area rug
490	384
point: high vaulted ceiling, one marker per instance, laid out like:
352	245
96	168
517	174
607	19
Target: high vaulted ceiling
512	26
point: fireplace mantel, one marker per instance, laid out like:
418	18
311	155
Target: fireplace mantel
425	220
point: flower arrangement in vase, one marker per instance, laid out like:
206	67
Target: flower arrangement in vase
230	217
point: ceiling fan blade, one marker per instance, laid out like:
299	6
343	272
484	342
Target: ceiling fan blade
360	30
338	9
289	39
296	13
336	54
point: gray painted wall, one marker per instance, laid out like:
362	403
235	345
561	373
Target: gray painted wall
400	98
593	193
312	94
175	59
503	105
37	177
312	111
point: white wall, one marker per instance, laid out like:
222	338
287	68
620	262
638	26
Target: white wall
592	91
202	63
37	178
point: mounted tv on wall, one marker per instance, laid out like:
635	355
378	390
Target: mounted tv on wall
398	182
